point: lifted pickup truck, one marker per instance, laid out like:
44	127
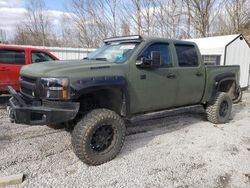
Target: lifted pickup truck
127	77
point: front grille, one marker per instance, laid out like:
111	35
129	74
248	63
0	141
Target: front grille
28	86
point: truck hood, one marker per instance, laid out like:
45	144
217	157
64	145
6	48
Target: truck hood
64	68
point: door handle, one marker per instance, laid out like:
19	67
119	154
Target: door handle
171	76
198	74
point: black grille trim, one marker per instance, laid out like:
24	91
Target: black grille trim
28	86
28	79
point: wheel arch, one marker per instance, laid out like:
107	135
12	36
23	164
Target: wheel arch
105	92
225	82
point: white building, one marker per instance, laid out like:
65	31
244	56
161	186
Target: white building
227	50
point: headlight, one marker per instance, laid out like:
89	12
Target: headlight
54	88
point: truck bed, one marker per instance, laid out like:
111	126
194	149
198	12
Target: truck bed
214	72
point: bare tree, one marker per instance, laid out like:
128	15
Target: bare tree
83	21
94	20
141	16
36	28
234	17
169	18
131	13
3	36
88	22
69	34
125	28
200	13
239	14
246	30
37	20
112	8
187	13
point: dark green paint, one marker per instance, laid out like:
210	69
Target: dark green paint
156	91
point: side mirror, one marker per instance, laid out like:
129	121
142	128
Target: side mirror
155	59
153	62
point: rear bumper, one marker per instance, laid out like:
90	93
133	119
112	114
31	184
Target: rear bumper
47	112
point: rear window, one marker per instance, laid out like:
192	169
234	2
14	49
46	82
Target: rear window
12	57
187	55
211	59
38	57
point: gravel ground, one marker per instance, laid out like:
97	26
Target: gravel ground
182	150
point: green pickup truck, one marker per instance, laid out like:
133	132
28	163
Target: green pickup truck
125	78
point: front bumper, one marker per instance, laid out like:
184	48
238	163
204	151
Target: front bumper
43	113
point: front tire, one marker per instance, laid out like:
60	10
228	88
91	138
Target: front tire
219	110
98	137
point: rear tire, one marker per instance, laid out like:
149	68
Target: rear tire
98	137
219	110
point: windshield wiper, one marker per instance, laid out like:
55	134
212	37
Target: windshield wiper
85	58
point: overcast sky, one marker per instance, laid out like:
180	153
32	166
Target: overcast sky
13	11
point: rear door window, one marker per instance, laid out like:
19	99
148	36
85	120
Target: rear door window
13	57
187	55
38	57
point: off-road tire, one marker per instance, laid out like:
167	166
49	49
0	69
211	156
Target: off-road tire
214	109
85	129
238	96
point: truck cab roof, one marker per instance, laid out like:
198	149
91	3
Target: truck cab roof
138	38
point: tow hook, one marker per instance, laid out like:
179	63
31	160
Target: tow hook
10	114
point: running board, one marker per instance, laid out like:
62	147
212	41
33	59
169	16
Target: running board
162	113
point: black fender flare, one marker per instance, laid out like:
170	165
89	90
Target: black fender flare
221	78
88	85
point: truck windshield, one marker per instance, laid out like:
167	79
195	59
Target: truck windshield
113	52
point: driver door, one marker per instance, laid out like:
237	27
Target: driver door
153	88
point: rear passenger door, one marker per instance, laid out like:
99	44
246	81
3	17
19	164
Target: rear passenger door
191	75
11	62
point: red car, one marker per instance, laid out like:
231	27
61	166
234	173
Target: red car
12	58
